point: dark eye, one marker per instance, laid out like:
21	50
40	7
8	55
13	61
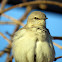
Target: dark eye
45	16
36	18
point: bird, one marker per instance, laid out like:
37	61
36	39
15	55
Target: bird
33	42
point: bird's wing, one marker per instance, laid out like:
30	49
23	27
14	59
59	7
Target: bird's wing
23	45
18	34
51	43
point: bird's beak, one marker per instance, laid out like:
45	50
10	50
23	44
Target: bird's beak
46	18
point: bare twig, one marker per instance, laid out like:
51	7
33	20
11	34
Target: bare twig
12	23
7	57
1	53
33	3
9	41
59	38
57	45
57	58
16	21
42	6
10	59
6	50
3	3
17	27
29	8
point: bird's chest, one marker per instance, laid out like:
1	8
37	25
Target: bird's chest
41	34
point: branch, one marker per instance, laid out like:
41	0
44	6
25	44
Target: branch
16	21
3	3
29	8
7	57
6	50
42	6
1	53
59	38
9	41
57	45
57	58
33	3
10	59
12	23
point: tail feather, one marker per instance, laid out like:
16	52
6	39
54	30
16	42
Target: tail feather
35	58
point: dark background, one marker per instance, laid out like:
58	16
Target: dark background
52	8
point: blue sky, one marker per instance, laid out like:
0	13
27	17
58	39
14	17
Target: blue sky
53	23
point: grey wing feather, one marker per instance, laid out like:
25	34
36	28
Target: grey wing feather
50	40
18	34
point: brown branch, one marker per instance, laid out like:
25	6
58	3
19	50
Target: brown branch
12	23
57	58
1	53
10	59
42	6
14	20
33	3
29	8
7	57
57	45
3	3
17	27
9	41
59	38
6	50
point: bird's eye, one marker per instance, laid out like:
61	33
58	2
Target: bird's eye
36	18
45	16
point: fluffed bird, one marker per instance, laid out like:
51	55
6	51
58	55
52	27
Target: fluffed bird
33	42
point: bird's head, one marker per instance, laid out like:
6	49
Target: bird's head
36	19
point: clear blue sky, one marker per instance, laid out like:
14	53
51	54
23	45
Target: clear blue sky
54	24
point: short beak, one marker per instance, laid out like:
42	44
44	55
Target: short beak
46	18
